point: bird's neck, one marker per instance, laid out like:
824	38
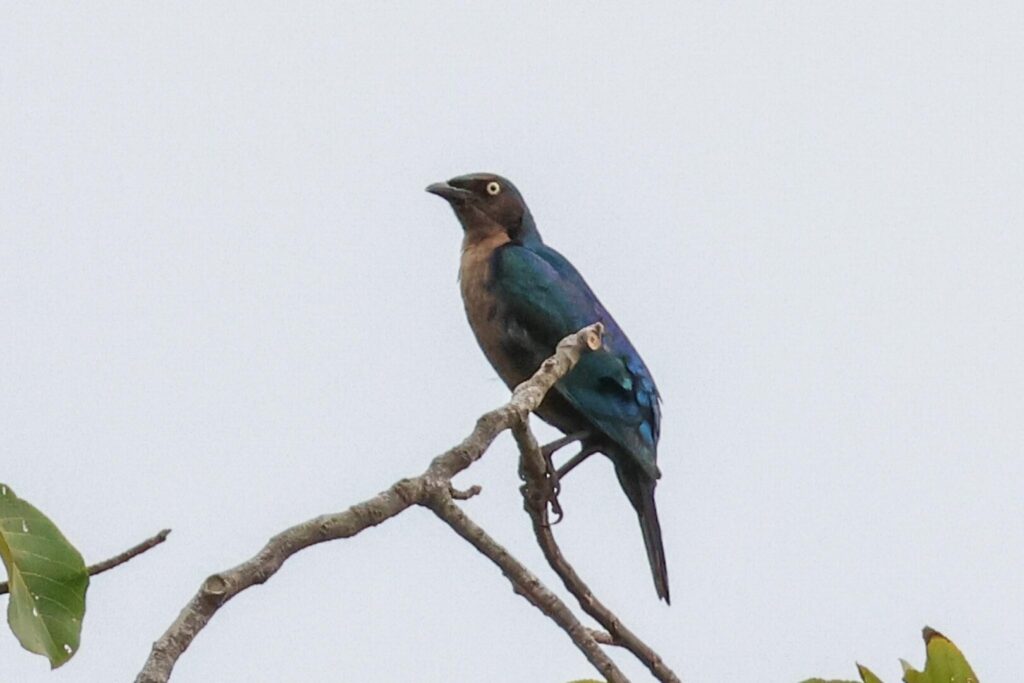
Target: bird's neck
475	264
484	239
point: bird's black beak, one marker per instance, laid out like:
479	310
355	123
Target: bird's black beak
455	195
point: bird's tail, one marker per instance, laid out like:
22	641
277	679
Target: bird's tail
640	489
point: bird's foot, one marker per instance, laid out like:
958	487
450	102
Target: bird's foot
552	487
553	475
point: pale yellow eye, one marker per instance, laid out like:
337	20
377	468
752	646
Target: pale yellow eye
493	188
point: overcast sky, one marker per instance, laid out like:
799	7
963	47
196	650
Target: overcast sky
228	306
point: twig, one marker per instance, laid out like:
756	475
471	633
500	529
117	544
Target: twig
459	494
116	560
535	499
601	636
433	490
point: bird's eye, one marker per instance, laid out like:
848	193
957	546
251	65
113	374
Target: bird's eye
493	188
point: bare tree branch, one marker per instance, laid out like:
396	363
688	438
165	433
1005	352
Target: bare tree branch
116	560
432	489
536	493
529	586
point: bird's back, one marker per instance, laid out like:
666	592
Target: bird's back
542	298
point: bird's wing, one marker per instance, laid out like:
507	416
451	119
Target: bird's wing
546	299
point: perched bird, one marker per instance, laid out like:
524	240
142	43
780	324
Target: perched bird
522	297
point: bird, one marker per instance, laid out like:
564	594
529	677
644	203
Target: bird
521	298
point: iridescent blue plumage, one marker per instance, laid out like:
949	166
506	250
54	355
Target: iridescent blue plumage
546	299
521	298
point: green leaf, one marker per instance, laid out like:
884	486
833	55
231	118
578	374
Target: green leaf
47	579
866	676
944	664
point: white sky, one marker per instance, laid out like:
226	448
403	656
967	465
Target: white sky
230	306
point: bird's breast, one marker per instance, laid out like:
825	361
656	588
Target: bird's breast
483	309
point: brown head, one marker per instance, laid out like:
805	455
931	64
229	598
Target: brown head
487	204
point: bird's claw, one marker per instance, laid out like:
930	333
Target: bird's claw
556	508
552	476
554	487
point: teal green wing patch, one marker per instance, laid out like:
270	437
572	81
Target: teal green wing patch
547	300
